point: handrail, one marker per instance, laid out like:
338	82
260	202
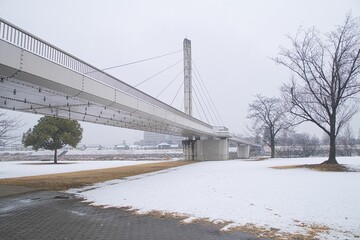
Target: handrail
29	42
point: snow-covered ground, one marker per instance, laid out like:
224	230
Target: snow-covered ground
245	192
108	152
32	168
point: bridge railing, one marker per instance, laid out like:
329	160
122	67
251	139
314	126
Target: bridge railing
27	41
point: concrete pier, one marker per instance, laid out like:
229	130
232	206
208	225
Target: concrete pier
206	150
243	150
211	150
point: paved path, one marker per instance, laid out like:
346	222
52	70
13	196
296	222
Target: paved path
55	215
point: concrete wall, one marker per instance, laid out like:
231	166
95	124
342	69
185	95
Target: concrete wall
243	151
206	150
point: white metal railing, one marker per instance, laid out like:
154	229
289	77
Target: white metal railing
27	41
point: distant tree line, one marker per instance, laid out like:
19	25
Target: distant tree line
292	144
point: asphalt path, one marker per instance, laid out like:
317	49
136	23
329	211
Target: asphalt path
29	214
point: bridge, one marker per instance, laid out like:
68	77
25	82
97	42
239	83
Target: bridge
39	78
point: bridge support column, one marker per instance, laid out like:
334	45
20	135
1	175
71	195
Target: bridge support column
187	78
243	151
206	150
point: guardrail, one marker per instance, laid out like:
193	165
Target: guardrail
27	41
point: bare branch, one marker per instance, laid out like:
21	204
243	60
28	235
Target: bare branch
7	127
327	71
268	118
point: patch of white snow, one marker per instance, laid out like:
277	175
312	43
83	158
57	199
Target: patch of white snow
246	192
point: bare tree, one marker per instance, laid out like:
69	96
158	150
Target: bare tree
268	119
325	84
7	127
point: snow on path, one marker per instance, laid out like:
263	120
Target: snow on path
32	168
245	192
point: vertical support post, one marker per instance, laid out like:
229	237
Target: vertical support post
187	77
206	150
189	149
243	151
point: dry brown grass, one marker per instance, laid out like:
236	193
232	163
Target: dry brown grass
64	181
320	167
163	214
257	231
313	231
256	159
46	163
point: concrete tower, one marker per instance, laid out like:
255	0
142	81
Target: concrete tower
187	77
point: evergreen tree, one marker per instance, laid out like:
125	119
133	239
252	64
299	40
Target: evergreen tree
53	133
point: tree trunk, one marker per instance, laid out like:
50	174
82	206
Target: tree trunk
332	153
55	156
272	147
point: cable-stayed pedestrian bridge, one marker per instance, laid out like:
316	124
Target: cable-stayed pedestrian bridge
37	77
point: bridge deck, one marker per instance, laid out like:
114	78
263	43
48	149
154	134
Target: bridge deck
39	78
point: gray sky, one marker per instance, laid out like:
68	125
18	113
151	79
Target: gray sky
231	45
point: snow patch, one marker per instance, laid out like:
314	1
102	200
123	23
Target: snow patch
189	220
246	193
32	168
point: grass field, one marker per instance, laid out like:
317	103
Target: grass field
64	181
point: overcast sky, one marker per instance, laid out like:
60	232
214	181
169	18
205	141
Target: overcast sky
232	42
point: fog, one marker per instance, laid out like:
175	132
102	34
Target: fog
232	42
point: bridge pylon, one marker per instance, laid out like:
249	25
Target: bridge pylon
187	77
195	148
